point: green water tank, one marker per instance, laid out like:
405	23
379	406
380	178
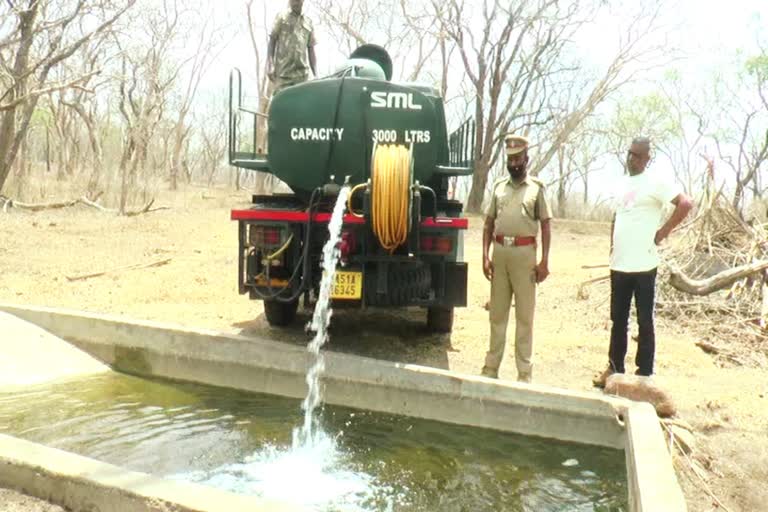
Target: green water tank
328	127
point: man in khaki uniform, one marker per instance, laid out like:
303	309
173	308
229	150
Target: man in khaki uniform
291	48
518	206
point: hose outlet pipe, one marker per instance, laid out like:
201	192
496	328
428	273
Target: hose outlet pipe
331	189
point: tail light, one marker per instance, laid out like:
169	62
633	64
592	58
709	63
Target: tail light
436	244
266	236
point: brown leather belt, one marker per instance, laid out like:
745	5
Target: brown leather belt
515	240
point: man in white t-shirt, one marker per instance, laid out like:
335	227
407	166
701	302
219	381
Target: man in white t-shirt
635	234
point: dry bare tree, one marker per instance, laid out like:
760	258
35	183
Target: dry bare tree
258	32
147	76
38	37
83	104
207	45
506	53
213	146
406	28
641	49
577	160
744	110
692	120
514	56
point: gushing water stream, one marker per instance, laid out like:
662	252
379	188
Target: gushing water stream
308	435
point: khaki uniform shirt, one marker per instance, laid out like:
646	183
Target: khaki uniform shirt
517	208
294	35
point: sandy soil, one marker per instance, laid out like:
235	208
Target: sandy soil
11	501
727	406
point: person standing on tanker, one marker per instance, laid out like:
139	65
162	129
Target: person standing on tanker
291	52
635	236
518	207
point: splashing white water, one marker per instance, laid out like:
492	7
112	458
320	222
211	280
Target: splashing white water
307	435
314	460
274	472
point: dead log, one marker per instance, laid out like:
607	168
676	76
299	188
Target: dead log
707	347
147	209
38	207
724	279
94	204
136	266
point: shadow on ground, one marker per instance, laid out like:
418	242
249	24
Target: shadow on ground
393	335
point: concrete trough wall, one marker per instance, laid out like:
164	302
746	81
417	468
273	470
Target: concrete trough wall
151	349
81	484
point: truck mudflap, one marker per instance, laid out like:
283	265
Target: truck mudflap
455	285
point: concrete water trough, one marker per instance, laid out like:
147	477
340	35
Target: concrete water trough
258	365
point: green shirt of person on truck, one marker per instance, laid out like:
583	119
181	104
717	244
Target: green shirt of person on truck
291	48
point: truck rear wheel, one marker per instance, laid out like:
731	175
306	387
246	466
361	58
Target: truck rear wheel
280	314
440	319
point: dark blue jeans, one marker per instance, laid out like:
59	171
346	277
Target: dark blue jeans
624	285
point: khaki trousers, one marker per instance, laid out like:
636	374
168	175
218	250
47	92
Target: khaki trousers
513	275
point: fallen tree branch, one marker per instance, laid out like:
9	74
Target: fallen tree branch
37	207
582	293
147	209
708	347
136	266
94	204
699	287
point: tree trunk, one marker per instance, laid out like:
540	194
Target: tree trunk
561	185
22	169
9	142
482	157
738	195
178	145
479	184
62	158
47	150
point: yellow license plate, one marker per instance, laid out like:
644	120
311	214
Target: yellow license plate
347	285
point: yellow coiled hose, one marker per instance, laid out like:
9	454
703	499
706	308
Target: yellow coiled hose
391	180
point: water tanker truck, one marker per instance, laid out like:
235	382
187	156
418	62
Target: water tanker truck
401	242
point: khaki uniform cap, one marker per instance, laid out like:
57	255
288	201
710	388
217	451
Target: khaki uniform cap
515	144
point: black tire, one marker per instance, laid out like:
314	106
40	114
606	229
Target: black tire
440	319
280	314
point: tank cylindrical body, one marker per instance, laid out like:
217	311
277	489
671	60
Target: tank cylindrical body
329	127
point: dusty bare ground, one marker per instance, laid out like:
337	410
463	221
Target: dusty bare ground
727	406
11	501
